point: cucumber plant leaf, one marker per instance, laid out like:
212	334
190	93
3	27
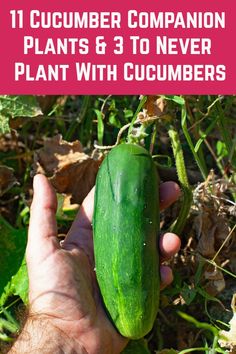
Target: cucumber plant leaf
177	99
13	277
16	106
4	124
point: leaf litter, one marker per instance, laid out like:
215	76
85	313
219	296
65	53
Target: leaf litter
69	168
7	179
228	338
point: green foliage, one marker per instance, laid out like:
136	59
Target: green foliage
100	125
177	99
16	106
4	124
64	214
183	181
7	324
221	150
136	347
14	276
13	280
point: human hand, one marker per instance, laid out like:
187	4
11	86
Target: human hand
63	293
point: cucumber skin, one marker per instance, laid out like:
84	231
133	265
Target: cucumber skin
126	226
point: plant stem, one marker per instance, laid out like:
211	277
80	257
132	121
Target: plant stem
223	128
193	350
79	119
178	226
141	103
190	143
153	138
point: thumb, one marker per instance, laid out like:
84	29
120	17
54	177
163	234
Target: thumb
42	235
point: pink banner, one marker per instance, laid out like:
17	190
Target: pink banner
125	47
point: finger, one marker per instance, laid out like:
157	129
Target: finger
85	215
80	233
169	193
42	235
166	276
169	245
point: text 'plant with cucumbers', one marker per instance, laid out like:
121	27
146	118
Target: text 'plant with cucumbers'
126	226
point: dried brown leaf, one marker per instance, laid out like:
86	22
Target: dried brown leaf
155	106
7	179
185	336
228	338
76	179
70	170
205	230
215	280
11	142
67	204
57	154
46	102
211	231
232	258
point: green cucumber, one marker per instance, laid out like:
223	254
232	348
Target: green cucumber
126	226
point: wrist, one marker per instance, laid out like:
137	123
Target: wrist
41	335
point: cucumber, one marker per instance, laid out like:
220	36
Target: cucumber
126	226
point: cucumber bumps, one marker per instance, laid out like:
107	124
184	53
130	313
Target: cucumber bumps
126	226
